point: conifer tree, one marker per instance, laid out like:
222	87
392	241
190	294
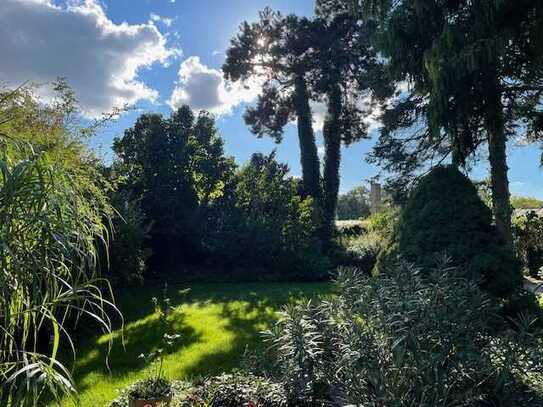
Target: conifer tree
475	69
279	50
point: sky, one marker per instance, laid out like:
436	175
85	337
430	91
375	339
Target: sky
160	54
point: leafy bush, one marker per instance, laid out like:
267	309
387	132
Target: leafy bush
525	202
176	168
444	214
528	230
355	204
405	339
150	388
362	250
127	252
234	390
264	222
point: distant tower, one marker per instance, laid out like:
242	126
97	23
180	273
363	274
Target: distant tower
375	197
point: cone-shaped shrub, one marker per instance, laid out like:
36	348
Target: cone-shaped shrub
444	215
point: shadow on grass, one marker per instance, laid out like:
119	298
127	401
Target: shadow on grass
143	333
240	312
246	314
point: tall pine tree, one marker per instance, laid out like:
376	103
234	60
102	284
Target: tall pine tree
279	50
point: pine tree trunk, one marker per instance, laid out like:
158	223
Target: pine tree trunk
308	147
497	156
332	144
501	205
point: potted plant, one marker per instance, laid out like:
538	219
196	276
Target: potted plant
155	390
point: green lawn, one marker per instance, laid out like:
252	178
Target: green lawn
217	323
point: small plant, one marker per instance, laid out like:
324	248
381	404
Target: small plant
156	386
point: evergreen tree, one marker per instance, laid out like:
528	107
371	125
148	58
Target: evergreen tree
475	70
327	59
279	50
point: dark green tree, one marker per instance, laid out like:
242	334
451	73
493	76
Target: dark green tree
444	215
475	70
279	50
333	57
175	167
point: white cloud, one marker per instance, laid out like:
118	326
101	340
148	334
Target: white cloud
204	88
100	59
159	19
319	110
321	150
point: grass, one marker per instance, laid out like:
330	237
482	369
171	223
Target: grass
217	322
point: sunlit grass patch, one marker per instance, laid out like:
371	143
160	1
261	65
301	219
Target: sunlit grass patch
217	323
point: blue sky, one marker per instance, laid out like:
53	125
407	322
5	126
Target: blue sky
145	51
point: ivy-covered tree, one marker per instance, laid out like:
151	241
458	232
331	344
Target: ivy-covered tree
475	70
338	66
349	76
279	50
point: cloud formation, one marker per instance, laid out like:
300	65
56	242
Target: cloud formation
204	88
372	117
100	59
159	19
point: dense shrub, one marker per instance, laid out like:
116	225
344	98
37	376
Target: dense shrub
127	252
176	168
264	222
525	202
528	230
403	340
444	214
234	390
363	249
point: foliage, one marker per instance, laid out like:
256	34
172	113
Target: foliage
176	168
128	255
327	59
528	230
362	249
354	204
525	202
444	214
279	50
349	76
53	219
475	79
148	389
266	223
225	390
233	390
403	339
